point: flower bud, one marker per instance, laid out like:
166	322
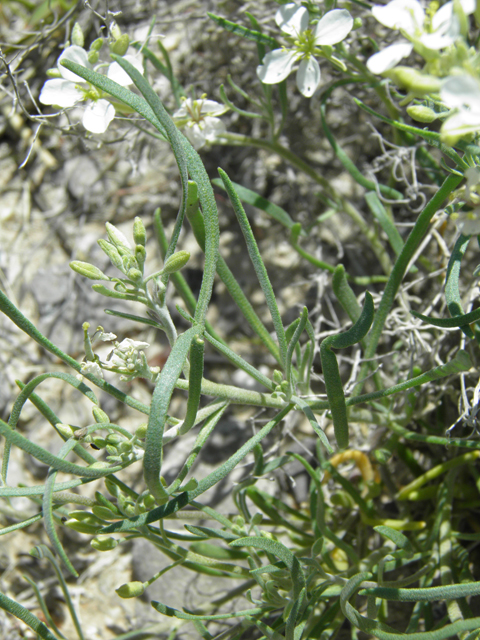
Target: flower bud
93	57
414	81
117	238
140	255
103	513
104	543
88	270
98	442
115	31
421	113
83	527
139	233
134	274
131	590
141	431
99	415
111	487
85	516
120	46
65	429
96	44
176	261
53	73
77	35
112	253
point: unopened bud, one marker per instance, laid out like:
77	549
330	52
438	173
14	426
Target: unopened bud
421	113
139	233
96	44
131	590
117	238
65	429
88	270
99	415
83	527
134	274
110	250
115	30
120	46
141	431
93	57
414	81
77	35
176	262
104	543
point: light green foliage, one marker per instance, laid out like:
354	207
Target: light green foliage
356	541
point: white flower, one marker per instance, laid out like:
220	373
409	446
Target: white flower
92	367
424	34
461	93
293	20
126	354
70	89
201	121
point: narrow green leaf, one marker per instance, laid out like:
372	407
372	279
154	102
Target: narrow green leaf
457	322
19	611
197	350
47	507
258	264
452	290
333	382
344	293
152	461
380	214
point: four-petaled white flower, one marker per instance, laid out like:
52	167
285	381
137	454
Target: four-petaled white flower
293	20
461	93
126	354
70	89
425	34
199	117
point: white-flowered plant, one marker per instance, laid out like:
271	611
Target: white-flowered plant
305	44
426	32
200	120
462	94
69	90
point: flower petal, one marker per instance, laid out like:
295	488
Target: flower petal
292	19
400	14
212	108
60	92
389	57
308	76
213	128
276	66
195	135
460	91
333	27
460	125
118	75
75	54
98	116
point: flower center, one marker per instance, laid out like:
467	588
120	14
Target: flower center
305	43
